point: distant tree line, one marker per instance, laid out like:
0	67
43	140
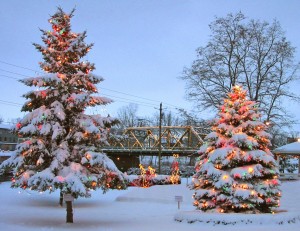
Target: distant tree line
128	117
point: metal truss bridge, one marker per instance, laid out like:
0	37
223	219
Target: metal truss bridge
182	140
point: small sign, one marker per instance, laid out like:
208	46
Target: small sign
178	198
68	197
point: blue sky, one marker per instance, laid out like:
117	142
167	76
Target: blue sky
141	46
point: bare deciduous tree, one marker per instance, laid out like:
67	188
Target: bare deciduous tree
168	119
127	116
251	53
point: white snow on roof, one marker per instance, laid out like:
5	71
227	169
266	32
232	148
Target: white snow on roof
292	148
6	153
6	126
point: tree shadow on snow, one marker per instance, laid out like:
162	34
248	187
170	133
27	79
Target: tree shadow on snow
60	224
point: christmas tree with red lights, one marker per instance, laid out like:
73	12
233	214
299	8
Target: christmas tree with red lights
236	171
63	144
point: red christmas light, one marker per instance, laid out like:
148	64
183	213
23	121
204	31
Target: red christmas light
19	125
249	158
237	175
275	182
44	94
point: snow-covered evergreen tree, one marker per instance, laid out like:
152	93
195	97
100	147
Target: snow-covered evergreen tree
63	147
236	171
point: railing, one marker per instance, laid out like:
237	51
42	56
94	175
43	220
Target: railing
172	138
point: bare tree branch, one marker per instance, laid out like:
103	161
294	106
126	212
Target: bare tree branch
251	53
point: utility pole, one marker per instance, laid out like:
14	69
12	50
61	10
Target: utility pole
159	138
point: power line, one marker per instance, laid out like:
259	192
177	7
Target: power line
115	98
35	71
129	94
144	105
125	100
139	102
26	68
10	77
11	72
139	97
101	88
10	103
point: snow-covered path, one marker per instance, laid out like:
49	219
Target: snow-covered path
134	209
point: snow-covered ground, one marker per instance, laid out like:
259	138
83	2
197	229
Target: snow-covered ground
140	209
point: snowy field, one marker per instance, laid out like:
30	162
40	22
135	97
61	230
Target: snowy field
140	209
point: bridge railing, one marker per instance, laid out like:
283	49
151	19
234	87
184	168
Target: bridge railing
147	138
145	148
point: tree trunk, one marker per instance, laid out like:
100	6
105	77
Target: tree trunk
61	199
69	212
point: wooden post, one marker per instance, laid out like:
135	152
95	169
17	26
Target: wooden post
189	137
159	139
299	165
69	199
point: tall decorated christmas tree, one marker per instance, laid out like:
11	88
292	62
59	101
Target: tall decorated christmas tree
236	171
63	144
